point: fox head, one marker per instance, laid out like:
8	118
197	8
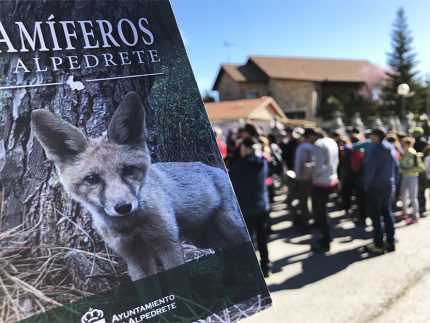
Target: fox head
104	174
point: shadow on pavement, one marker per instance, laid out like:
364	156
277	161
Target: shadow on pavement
316	267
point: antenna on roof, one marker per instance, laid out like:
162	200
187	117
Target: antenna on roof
228	45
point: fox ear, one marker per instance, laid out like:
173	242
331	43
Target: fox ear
60	140
127	126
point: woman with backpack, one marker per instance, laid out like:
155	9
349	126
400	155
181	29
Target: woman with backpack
411	165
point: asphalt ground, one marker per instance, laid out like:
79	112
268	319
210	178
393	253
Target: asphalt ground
347	284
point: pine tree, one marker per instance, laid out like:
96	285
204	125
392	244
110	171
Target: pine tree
402	62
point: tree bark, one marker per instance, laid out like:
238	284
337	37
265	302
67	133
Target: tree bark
31	189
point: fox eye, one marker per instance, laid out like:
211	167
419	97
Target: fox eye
92	179
129	170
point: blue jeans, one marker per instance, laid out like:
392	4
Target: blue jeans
409	188
379	205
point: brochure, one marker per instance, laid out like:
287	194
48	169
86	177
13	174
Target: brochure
115	202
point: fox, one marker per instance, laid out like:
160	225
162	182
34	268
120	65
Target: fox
142	210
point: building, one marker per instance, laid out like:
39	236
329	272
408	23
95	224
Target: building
301	86
263	112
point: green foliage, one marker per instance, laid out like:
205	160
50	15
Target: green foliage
420	98
331	108
368	110
402	61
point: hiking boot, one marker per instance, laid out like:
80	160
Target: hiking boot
374	250
266	272
266	268
411	220
401	217
359	221
301	229
390	247
320	248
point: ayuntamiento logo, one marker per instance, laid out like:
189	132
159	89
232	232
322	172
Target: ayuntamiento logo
93	316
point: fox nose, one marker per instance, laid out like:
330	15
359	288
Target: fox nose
123	209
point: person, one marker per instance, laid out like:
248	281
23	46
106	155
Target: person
222	146
276	166
380	172
248	176
289	146
420	141
420	145
250	130
266	153
411	165
324	180
303	180
345	172
393	138
276	153
360	148
426	155
352	180
231	149
355	132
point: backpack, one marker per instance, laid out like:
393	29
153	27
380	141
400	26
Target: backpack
418	164
357	157
414	163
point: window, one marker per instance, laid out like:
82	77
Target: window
252	94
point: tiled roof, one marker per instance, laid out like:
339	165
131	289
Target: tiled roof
310	69
258	109
260	68
241	73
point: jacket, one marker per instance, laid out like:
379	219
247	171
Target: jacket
411	165
248	176
326	154
304	154
381	167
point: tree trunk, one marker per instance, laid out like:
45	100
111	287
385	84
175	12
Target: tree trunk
32	194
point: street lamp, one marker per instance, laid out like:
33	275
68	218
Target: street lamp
403	90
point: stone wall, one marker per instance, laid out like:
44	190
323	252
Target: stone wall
228	89
294	96
231	90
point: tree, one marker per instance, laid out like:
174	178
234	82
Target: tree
420	97
330	108
402	61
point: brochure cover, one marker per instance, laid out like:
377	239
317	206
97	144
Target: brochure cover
115	203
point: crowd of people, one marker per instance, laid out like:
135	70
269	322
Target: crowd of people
370	174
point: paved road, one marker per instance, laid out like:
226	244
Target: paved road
346	285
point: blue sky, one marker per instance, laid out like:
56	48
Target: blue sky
304	28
